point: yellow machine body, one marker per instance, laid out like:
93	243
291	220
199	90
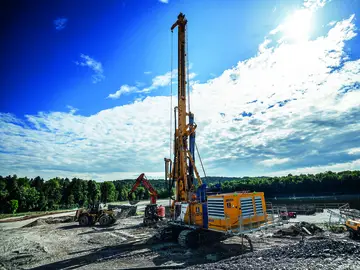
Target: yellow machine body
236	211
228	212
196	212
353	224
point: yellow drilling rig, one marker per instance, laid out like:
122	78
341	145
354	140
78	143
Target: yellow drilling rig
195	215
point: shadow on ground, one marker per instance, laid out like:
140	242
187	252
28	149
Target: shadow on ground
69	227
77	226
161	254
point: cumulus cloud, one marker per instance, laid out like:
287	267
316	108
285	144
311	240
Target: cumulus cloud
72	110
95	66
60	23
354	151
157	82
164	1
315	4
353	165
274	161
291	108
123	90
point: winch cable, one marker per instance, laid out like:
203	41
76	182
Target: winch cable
202	166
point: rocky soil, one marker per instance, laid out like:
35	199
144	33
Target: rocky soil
59	243
314	254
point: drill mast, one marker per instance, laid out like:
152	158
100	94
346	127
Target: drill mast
184	138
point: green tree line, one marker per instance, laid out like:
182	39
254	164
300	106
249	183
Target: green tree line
35	194
346	182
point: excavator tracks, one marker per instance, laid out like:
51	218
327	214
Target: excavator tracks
188	239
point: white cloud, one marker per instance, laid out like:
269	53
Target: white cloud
96	66
147	72
263	46
315	4
291	105
157	82
274	161
123	90
72	110
60	23
164	1
354	151
353	165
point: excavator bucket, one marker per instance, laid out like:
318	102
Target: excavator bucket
115	216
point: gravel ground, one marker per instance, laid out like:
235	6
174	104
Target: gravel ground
19	224
122	246
63	245
317	254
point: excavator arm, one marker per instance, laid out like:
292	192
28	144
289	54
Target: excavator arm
145	182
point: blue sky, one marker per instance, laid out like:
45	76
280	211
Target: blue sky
85	86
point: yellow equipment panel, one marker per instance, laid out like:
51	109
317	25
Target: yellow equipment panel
195	215
236	211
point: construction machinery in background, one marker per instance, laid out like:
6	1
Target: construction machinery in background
96	213
348	217
285	214
153	212
353	227
195	215
352	222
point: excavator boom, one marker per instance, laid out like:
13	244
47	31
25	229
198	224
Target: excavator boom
145	182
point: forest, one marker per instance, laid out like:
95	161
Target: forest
36	194
20	194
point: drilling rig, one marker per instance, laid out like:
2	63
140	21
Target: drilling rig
195	215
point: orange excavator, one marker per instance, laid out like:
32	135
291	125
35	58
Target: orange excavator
153	212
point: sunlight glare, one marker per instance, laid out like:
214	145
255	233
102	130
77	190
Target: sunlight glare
297	27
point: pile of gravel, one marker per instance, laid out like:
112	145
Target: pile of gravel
300	228
319	254
124	211
50	220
